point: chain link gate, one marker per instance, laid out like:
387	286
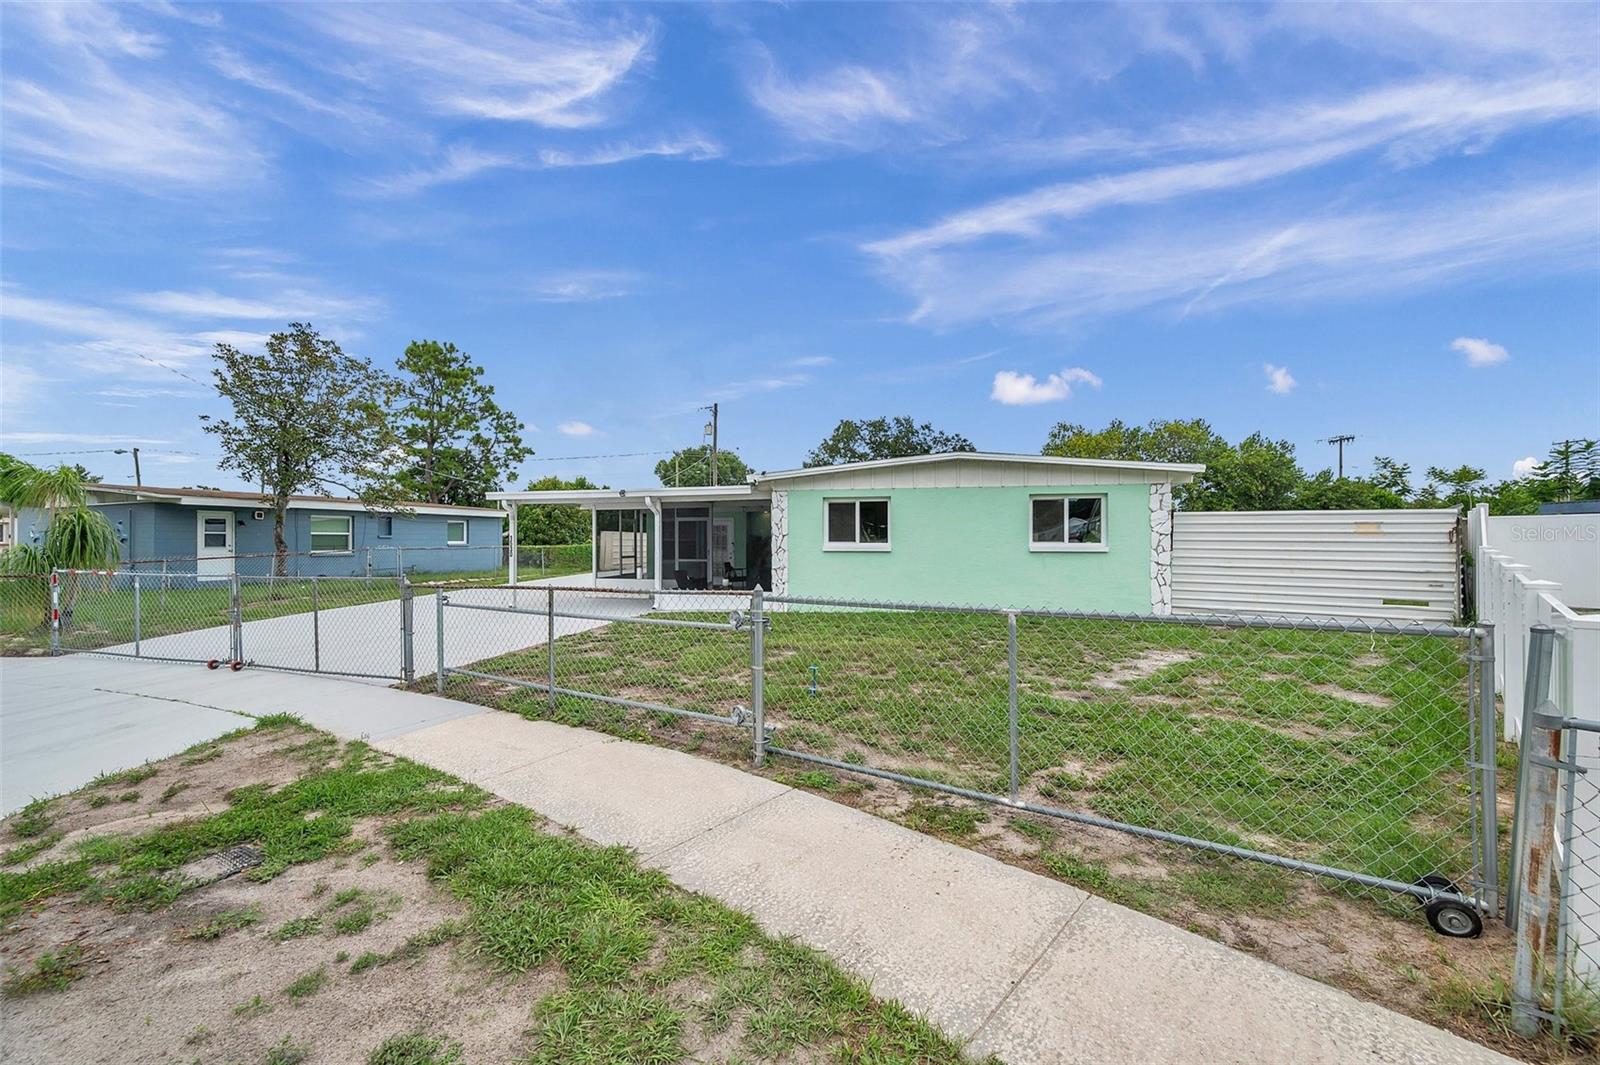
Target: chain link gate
330	625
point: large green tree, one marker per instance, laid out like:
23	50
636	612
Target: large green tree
459	443
307	418
691	467
884	438
550	523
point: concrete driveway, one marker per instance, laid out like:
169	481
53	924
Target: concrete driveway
365	640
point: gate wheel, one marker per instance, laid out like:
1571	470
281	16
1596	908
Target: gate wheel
213	664
236	665
1452	919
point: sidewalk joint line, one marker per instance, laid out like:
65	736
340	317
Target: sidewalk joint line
1034	964
712	828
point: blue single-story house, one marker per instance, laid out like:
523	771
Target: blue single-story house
213	534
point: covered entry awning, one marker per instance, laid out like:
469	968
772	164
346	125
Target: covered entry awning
635	535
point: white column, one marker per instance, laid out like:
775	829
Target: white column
780	543
655	540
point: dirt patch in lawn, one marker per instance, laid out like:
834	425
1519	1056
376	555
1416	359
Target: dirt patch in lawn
1372	699
1141	667
156	993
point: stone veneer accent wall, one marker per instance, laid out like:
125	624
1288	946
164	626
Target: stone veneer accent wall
1161	549
780	543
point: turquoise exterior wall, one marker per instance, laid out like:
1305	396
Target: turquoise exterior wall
969	547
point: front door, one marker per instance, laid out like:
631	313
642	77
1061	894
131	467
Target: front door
721	548
213	545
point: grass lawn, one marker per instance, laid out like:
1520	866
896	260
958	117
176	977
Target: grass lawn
398	915
1348	749
102	612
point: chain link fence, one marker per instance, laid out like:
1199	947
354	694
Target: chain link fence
1355	751
434	562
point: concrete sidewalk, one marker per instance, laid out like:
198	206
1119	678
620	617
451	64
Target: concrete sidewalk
1016	964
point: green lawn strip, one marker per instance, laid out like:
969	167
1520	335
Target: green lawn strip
299	822
1342	748
537	899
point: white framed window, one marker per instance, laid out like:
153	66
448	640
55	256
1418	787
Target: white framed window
385	526
855	525
1067	523
455	532
330	534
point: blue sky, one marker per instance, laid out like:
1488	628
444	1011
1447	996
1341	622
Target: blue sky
1308	220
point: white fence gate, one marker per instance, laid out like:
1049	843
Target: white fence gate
1401	565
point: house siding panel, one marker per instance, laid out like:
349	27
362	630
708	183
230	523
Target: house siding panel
969	546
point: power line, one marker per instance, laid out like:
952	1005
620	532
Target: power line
617	455
100	451
170	369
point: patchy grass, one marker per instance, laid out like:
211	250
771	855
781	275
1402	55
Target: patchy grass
25	852
416	1048
615	962
307	984
52	971
33	820
174	790
223	923
1344	748
287	1052
124	778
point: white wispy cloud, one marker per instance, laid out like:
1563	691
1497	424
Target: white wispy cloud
1479	352
692	147
1228	259
1279	380
1023	389
550	66
751	386
1526	467
459	163
576	429
833	106
585	286
812	361
279	307
80	438
118	117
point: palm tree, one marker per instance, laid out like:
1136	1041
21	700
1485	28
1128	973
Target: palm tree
76	537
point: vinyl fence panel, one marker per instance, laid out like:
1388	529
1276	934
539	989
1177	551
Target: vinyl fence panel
1390	564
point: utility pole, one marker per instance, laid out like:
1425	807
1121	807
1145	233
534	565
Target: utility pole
1339	442
712	429
138	478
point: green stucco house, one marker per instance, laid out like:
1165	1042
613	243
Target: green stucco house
963	529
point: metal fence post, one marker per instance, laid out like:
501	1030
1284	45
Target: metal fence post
399	561
1011	700
55	612
438	638
1541	754
236	619
550	642
165	583
316	630
407	631
1537	664
136	605
758	653
1489	781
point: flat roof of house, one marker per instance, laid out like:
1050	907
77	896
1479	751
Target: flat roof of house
985	456
202	496
761	484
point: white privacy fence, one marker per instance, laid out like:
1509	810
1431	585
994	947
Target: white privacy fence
1559	678
1398	565
1514	592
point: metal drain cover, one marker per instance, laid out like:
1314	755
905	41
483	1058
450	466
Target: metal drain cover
221	865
